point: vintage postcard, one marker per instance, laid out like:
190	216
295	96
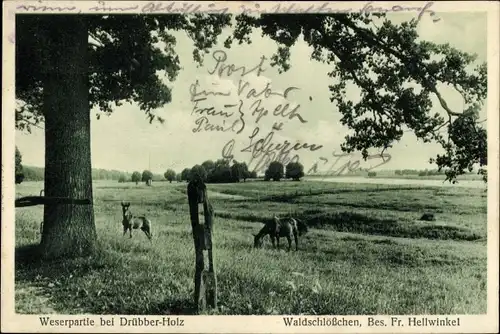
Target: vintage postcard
250	167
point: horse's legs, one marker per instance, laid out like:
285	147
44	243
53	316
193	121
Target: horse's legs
273	241
289	239
296	237
277	242
130	229
147	232
124	230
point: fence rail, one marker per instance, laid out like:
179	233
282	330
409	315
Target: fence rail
42	200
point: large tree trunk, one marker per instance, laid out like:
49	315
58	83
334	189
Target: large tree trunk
68	230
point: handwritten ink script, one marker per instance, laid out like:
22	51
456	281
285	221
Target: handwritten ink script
241	99
180	7
339	167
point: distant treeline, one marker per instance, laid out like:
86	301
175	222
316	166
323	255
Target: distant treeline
32	173
212	172
426	172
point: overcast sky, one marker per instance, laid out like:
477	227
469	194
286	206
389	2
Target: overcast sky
126	140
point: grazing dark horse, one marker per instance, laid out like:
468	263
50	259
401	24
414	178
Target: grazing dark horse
285	227
134	222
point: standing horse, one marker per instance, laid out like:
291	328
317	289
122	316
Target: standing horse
285	227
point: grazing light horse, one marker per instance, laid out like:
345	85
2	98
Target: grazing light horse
134	222
285	227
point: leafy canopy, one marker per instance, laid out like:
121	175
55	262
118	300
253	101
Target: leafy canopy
274	171
185	174
147	176
294	170
128	57
198	172
396	73
19	172
170	175
136	177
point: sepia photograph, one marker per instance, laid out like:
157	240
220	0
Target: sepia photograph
176	158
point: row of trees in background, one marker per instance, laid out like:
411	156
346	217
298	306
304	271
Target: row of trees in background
277	171
31	173
220	171
426	172
146	176
105	174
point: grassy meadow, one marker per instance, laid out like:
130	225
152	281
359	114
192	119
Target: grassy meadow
366	252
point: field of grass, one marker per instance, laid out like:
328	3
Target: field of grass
366	252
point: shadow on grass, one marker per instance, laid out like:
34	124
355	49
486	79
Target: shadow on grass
412	206
357	223
31	267
28	254
407	207
302	199
92	284
291	197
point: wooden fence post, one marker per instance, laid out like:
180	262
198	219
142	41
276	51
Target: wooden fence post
205	281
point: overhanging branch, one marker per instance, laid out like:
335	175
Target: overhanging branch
377	42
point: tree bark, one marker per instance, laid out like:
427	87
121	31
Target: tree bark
68	230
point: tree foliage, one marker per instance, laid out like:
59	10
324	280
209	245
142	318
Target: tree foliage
294	170
147	176
170	175
128	57
33	173
221	171
198	172
397	75
19	174
239	171
275	171
136	177
209	166
185	174
178	177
